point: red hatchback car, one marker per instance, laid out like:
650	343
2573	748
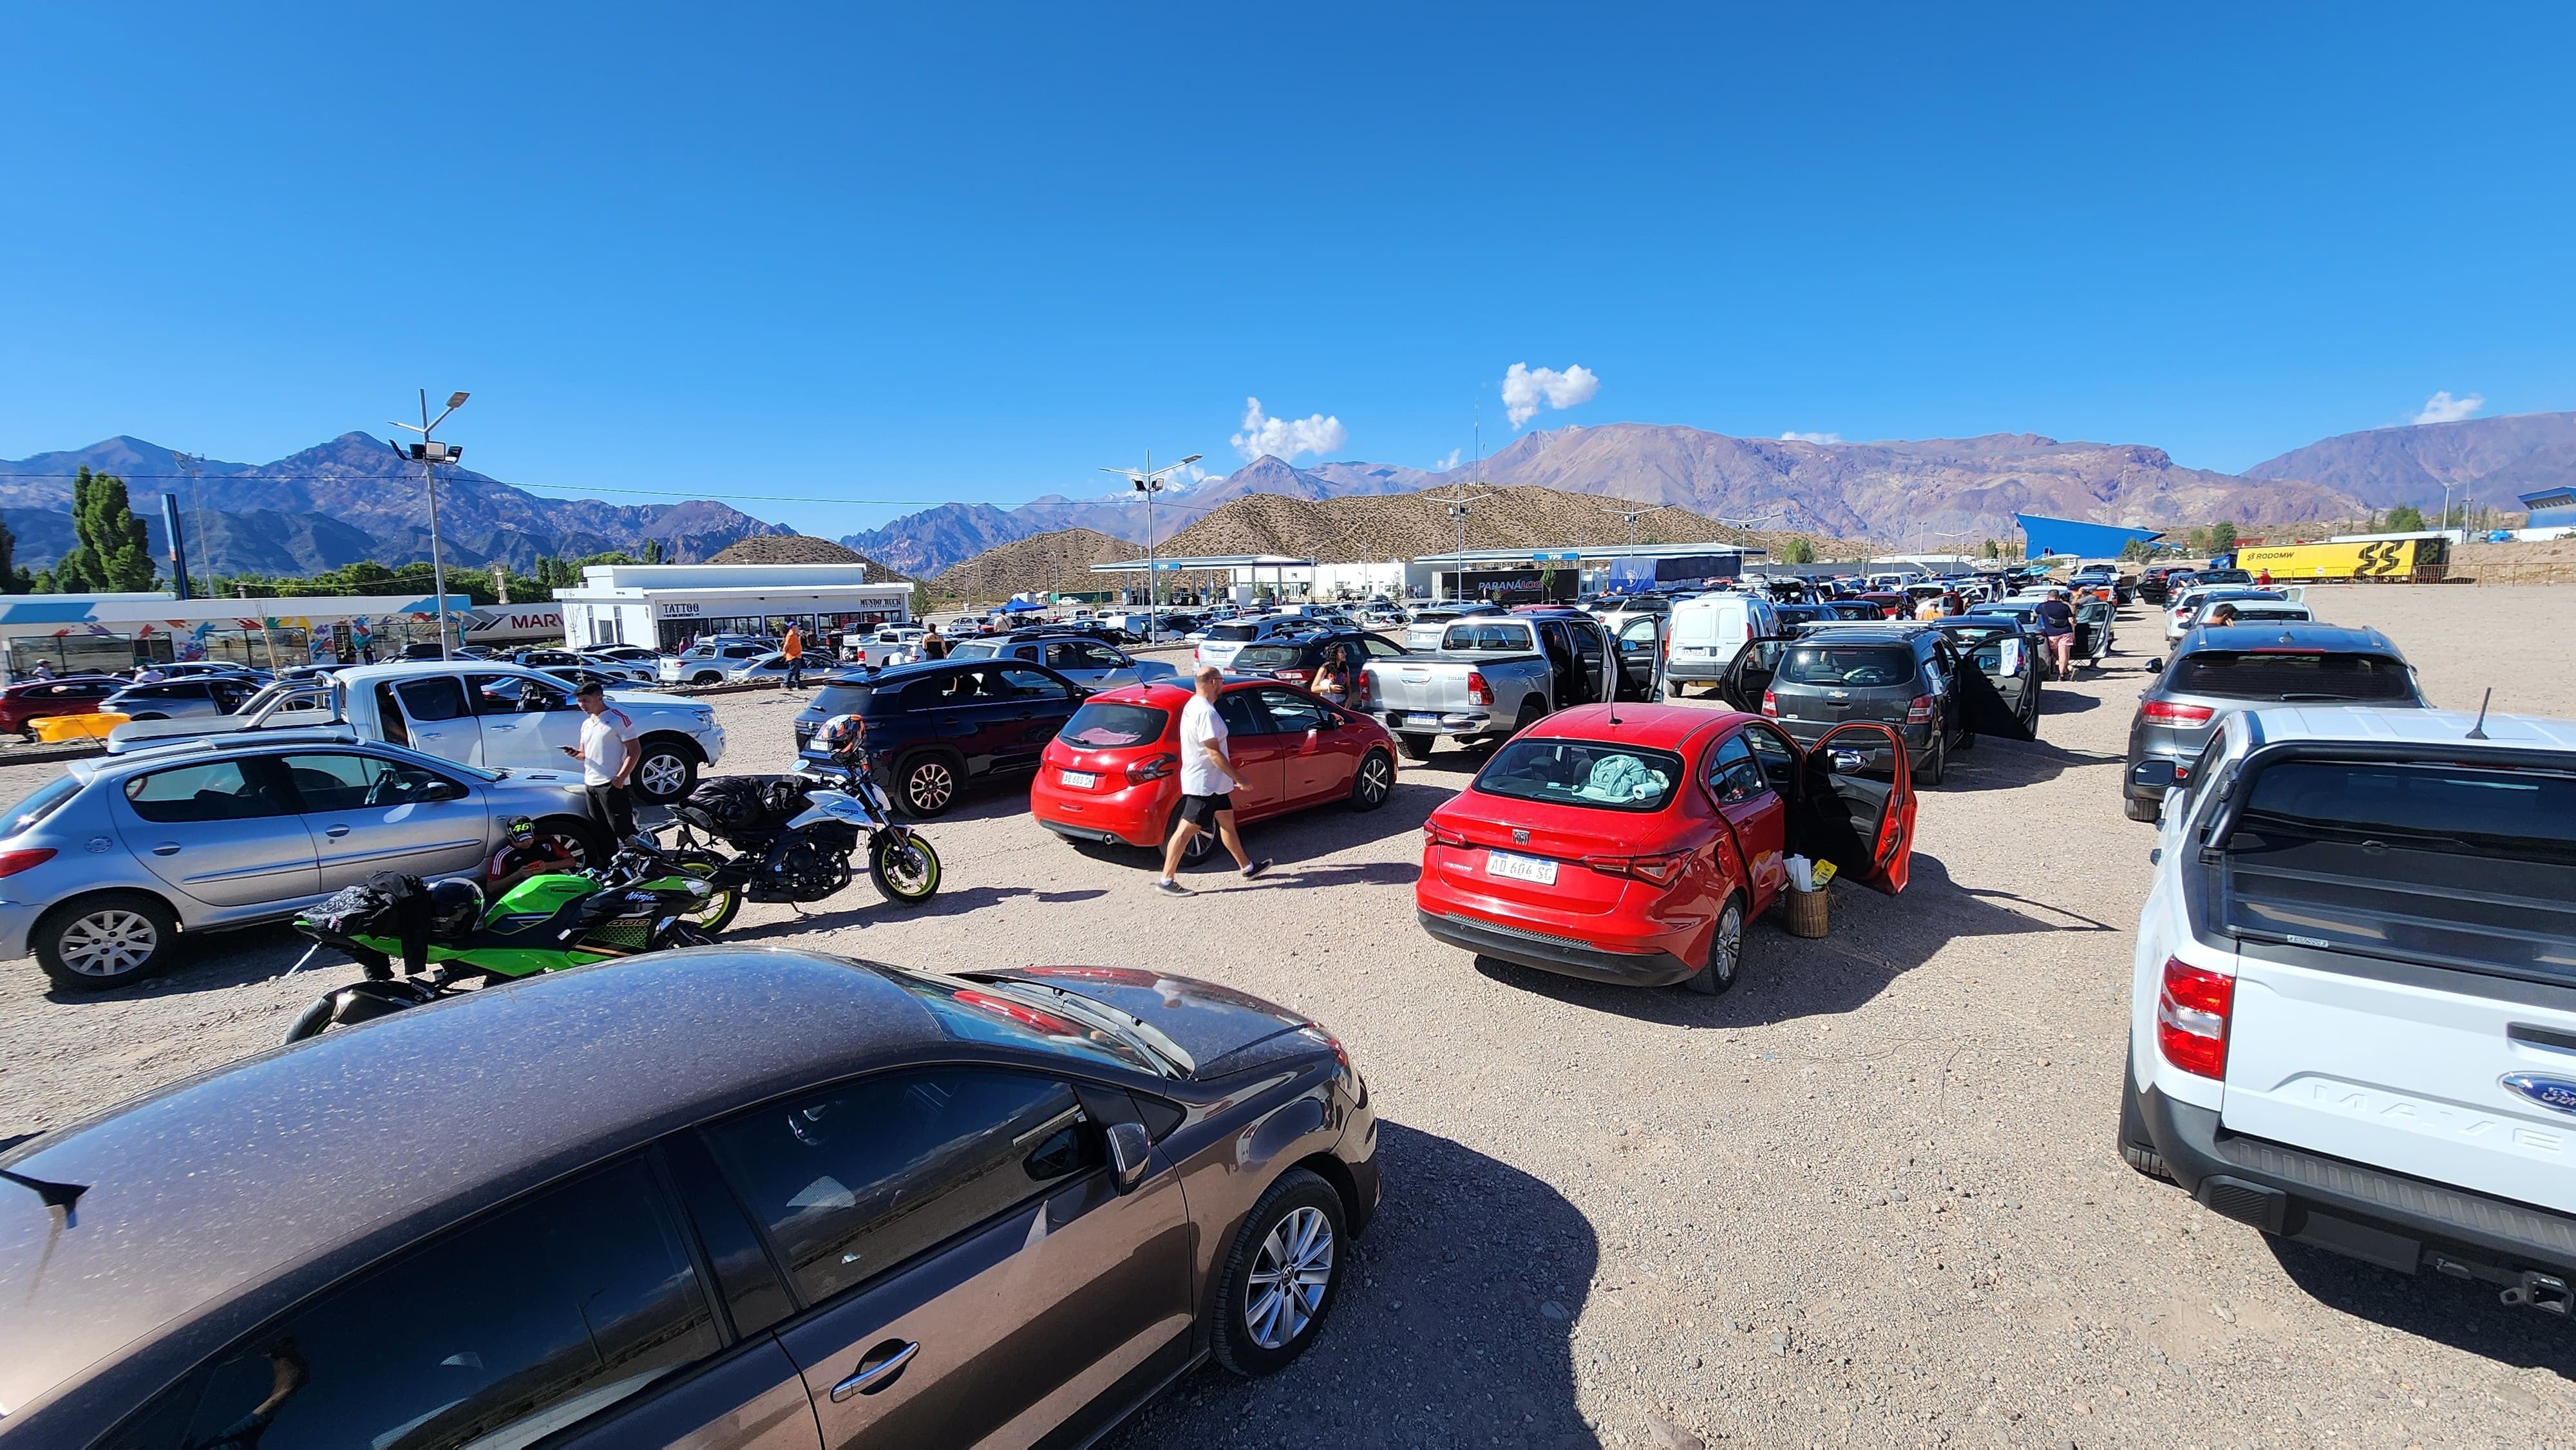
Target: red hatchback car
28	701
1631	843
1113	773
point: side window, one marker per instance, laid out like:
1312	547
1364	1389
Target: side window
496	694
1030	685
1294	714
1102	657
1778	760
501	1333
1381	649
430	700
345	782
217	790
1241	713
1637	636
1734	777
856	1179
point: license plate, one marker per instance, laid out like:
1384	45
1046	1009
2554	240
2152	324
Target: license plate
1423	720
1520	868
1080	779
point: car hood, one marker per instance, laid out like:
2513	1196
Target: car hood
1209	1022
653	698
545	780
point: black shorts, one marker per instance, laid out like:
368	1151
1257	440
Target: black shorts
1201	810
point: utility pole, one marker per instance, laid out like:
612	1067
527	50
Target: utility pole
190	463
1149	482
430	453
1632	515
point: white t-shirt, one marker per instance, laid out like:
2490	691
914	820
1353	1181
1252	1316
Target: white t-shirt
1200	723
603	745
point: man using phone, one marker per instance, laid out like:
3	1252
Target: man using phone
608	752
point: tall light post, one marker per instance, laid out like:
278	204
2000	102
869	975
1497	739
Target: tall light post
1149	482
429	453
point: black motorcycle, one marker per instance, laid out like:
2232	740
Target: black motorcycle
792	838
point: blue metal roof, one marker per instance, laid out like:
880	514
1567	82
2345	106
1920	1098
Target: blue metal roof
2083	540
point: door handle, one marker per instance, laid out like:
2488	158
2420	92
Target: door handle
874	1377
166	848
336	832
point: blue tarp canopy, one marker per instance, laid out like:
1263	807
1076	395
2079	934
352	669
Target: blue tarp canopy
2044	535
1022	606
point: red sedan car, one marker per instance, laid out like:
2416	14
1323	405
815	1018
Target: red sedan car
1631	843
28	701
1113	773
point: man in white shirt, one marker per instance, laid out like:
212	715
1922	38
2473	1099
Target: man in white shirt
608	753
1208	778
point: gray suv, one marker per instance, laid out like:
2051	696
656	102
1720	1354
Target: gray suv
1912	677
714	1197
2215	671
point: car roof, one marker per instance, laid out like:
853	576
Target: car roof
2288	634
363	1139
2446	729
1659	727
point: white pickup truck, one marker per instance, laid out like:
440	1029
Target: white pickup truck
1494	676
469	711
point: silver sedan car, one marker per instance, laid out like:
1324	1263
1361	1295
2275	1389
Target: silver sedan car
106	868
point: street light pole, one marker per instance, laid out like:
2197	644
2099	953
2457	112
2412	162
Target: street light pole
430	453
1149	482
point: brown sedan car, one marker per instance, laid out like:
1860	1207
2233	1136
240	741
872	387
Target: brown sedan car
738	1198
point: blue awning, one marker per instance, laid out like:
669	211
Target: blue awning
2045	535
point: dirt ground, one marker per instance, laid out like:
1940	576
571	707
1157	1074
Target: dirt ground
1868	1198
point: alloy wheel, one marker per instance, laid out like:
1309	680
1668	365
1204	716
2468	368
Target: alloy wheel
1289	1277
661	774
1375	779
1726	945
107	943
929	787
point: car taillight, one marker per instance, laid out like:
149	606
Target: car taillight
1360	691
1478	692
2166	712
1662	869
1918	711
1771	704
1294	677
1436	834
2191	1018
13	862
1026	1016
1152	767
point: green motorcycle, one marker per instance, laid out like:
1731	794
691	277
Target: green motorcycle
449	940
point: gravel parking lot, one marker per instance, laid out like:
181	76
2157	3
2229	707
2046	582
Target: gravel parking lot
1870	1197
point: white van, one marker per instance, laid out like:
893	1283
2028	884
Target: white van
1705	632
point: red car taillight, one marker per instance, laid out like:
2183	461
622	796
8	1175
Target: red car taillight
1436	834
1294	677
2191	1018
2166	712
1360	691
1918	711
1662	869
13	862
1771	704
1152	767
1478	692
1026	1016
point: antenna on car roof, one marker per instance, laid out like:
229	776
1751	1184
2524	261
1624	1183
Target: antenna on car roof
2479	730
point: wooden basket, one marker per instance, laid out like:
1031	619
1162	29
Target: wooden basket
1805	912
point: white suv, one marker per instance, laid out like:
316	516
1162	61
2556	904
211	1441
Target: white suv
2353	1020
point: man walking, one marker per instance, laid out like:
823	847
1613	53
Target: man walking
1208	778
793	646
607	753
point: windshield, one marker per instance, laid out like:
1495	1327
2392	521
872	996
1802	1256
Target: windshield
1235	632
1848	666
1477	635
1582	773
843	700
972	1012
1104	725
974	650
38	805
1269	657
2285	676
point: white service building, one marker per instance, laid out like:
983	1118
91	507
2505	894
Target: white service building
664	606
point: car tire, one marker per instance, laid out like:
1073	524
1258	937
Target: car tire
1531	713
1725	952
585	838
98	943
1673	689
1295	1232
1416	748
1197	850
1936	766
665	770
706	677
2137	1149
1373	782
2145	813
927	785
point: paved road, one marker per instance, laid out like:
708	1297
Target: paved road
1868	1198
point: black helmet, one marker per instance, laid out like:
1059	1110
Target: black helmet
521	830
455	908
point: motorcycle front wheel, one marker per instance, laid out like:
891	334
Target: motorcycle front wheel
722	903
904	867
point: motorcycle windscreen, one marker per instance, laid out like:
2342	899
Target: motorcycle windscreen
1856	804
1981	705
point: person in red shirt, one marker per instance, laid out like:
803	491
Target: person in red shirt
2264	579
522	855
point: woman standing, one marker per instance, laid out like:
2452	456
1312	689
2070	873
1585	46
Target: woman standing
1333	676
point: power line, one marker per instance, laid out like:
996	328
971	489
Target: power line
1112	501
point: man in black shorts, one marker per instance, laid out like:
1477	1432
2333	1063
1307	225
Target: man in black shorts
1208	778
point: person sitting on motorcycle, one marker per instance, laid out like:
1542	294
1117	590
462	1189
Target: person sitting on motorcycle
523	855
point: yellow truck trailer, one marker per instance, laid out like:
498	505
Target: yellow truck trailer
2390	561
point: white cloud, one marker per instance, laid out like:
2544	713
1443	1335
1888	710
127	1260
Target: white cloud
1285	438
1443	465
2443	408
1527	389
1811	437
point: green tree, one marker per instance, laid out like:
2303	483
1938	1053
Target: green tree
2406	518
2222	537
111	554
13	578
1798	551
652	551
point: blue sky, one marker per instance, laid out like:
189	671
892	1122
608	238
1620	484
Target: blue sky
976	253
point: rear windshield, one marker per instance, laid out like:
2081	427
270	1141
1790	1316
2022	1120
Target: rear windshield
38	805
1233	632
1848	666
974	649
2289	677
843	699
1582	773
1486	636
2446	864
1102	725
1269	656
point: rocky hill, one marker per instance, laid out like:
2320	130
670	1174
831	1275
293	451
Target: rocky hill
1055	561
802	549
2491	460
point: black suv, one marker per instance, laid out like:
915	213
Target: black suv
934	726
1910	676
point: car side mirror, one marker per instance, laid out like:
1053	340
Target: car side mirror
2156	774
1131	1155
441	790
1844	762
2155	667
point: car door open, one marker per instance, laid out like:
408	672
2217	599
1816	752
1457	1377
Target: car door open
1855	804
1748	679
1982	705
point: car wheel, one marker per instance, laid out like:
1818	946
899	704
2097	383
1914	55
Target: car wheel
1281	1276
583	841
1531	713
2137	1149
1373	782
929	786
664	771
1673	689
1725	952
2143	812
706	677
1198	848
1936	765
105	941
1416	747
